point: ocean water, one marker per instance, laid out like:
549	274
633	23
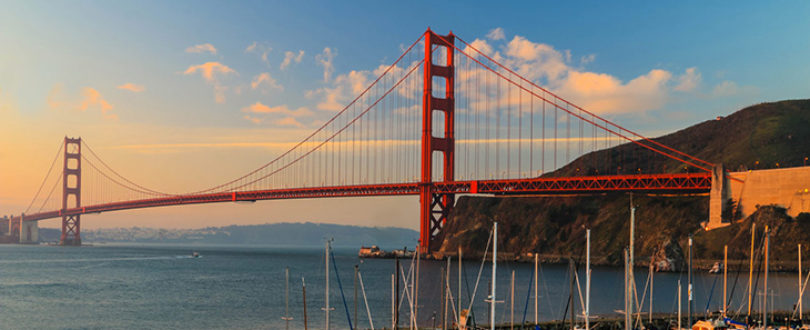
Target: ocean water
233	287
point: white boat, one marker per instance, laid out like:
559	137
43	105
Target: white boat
716	268
710	325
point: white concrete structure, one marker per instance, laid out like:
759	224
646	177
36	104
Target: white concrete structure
785	187
29	232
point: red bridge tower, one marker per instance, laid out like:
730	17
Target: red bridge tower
71	191
434	208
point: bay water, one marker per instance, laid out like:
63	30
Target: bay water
151	286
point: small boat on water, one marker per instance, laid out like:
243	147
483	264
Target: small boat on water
734	324
716	268
710	325
195	254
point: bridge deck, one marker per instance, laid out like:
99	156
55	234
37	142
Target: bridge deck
673	183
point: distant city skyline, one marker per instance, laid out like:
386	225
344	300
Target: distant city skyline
160	88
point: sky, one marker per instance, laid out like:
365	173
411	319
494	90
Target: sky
184	95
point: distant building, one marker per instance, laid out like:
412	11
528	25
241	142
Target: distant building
373	251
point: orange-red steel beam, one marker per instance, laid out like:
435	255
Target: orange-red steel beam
664	183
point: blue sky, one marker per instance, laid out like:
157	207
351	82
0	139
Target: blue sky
714	57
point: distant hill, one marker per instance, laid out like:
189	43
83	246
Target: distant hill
766	135
286	234
762	136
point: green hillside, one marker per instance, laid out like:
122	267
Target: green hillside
766	135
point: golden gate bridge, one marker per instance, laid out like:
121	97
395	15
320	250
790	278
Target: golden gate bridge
445	118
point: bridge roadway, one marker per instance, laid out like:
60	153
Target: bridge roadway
664	183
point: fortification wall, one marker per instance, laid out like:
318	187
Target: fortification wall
785	187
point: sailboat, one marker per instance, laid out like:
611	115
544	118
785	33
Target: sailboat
326	307
494	272
287	318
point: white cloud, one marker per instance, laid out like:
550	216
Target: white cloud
480	45
255	120
209	69
344	88
212	71
594	91
535	60
290	57
135	88
325	60
92	98
266	79
603	93
496	34
289	121
689	80
258	113
559	71
259	108
89	99
202	48
251	47
261	49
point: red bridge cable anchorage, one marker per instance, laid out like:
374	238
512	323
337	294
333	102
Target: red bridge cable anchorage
313	134
343	128
44	180
577	107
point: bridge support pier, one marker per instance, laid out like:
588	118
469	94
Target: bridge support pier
719	196
14	228
71	192
434	208
29	232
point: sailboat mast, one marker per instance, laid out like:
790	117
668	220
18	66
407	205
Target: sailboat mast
396	292
631	261
448	293
458	298
765	297
652	273
689	287
725	278
626	293
573	273
587	278
326	293
536	285
751	268
801	292
416	290
287	317
512	302
494	265
443	297
356	269
304	295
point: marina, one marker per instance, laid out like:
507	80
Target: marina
243	287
